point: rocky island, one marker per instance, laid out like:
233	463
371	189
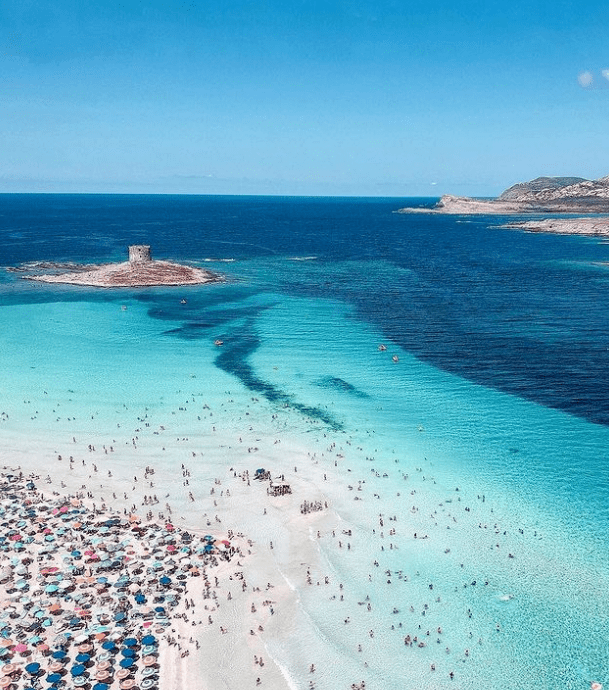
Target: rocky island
140	271
543	196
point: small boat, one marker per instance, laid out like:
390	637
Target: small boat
182	301
395	358
382	347
218	342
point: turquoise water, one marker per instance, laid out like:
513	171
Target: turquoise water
478	472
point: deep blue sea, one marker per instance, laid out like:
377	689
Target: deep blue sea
524	313
503	376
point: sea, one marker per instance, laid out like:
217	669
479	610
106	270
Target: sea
467	459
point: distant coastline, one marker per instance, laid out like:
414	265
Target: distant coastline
544	196
593	227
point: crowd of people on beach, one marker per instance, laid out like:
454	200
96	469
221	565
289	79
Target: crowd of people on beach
78	582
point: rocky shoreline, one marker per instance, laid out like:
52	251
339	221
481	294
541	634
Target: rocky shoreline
585	201
593	227
130	274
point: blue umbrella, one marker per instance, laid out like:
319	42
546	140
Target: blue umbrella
126	663
140	598
120	616
54	678
77	670
100	686
130	642
128	652
148	639
108	645
60	654
33	668
83	658
165	580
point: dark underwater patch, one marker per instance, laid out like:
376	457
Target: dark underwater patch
238	346
338	384
214	319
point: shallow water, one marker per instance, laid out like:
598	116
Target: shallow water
497	404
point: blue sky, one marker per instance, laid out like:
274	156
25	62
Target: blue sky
381	98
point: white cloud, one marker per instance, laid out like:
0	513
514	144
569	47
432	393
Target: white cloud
585	79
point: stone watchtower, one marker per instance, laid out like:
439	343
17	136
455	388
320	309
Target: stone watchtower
139	254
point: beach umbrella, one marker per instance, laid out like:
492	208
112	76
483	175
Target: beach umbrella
130	642
54	678
83	658
59	655
128	653
148	639
77	670
108	645
126	662
100	686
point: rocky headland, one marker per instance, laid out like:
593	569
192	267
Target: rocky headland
543	196
561	195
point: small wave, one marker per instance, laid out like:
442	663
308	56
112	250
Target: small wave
290	680
52	266
302	258
219	261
